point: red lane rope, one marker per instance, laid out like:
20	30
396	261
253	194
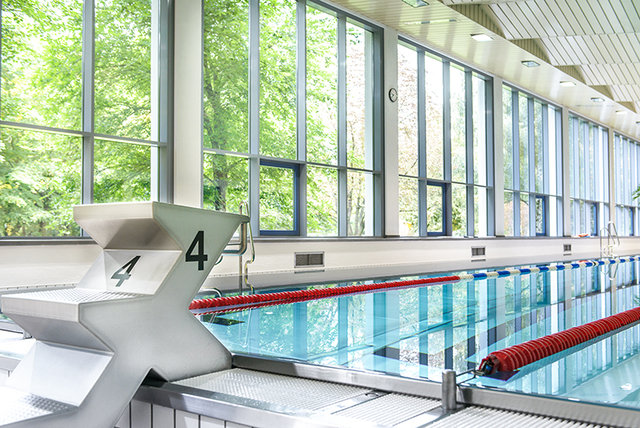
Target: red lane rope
516	356
249	301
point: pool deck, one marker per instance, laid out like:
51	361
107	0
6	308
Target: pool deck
261	392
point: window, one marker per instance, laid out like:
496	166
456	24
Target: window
304	142
588	176
627	162
445	163
77	120
532	165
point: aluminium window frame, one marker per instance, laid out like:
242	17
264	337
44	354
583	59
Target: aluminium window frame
375	126
532	191
423	178
160	140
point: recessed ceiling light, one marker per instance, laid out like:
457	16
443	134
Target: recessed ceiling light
481	37
433	21
530	63
620	112
416	3
597	99
567	84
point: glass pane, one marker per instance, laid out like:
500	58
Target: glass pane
322	201
507	135
538	146
278	78
225	182
226	77
41	180
322	87
359	97
458	125
554	217
459	209
524	214
434	108
435	209
479	131
581	157
407	111
123	68
42	62
409	211
360	203
508	213
122	172
523	102
277	198
480	219
540	216
552	149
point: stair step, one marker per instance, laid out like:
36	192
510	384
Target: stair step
18	406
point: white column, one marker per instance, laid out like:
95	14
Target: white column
188	103
391	189
498	156
566	189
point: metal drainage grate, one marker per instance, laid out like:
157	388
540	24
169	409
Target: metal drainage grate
291	392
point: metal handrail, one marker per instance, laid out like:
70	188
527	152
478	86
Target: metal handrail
612	236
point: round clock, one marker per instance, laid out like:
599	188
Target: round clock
393	95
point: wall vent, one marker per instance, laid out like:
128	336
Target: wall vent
567	248
310	259
478	251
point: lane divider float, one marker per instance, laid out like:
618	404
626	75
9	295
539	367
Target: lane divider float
516	356
250	301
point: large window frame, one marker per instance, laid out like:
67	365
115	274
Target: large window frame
627	179
447	182
517	142
160	138
373	164
589	176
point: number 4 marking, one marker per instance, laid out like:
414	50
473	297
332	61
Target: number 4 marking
124	272
201	257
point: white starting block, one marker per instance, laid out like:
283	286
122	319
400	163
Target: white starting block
127	317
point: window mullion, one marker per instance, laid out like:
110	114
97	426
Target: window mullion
343	221
422	146
301	106
468	116
88	95
254	113
532	165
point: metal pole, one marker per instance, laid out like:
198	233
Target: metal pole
449	391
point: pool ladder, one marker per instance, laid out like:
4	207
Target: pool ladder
612	240
246	242
607	251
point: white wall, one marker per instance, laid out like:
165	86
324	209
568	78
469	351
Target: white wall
345	259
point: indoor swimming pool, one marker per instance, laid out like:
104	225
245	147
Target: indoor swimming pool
419	332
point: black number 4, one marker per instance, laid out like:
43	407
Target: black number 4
124	272
201	257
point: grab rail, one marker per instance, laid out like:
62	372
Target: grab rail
612	236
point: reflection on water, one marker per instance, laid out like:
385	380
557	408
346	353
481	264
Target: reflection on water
419	332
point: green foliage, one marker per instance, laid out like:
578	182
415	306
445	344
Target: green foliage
40	172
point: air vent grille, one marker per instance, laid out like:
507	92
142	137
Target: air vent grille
478	251
567	248
309	259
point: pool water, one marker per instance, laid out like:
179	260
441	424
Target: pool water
418	332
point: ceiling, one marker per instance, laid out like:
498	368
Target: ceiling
594	43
